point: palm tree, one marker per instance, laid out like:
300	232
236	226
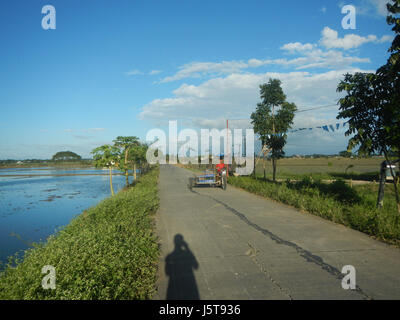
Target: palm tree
106	156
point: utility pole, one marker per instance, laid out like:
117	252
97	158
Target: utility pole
254	165
382	181
227	147
273	120
273	137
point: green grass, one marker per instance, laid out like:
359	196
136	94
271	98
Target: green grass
108	252
367	176
353	207
319	168
326	166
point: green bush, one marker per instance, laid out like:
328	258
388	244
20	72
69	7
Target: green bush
108	252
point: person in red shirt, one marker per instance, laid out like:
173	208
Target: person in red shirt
221	165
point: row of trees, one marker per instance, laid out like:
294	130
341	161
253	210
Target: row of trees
127	153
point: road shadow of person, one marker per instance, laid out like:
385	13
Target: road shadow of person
179	266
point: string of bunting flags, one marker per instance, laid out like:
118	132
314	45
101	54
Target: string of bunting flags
327	128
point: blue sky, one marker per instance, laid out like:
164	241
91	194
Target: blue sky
124	67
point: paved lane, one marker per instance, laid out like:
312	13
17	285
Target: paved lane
231	244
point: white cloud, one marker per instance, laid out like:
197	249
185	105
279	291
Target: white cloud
236	96
297	47
94	130
137	72
315	58
386	38
81	137
380	6
85	130
198	69
321	55
133	72
329	59
311	58
153	72
331	40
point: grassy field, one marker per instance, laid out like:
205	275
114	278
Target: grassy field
324	168
108	252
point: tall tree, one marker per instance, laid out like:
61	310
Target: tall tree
372	103
270	125
388	77
106	156
137	156
125	144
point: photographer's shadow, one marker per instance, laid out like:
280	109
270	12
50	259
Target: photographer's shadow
179	266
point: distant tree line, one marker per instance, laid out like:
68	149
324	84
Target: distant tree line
66	156
40	161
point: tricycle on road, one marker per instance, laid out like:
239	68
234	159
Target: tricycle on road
215	178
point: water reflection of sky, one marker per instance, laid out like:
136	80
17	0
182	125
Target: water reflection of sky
50	171
32	208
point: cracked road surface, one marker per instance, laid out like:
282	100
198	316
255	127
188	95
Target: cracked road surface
231	244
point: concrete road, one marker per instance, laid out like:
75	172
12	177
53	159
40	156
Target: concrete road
231	244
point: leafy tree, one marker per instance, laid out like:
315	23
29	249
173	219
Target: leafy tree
107	156
388	78
137	156
345	154
66	156
372	102
125	144
270	126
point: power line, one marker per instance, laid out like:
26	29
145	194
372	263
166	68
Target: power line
321	107
298	111
310	145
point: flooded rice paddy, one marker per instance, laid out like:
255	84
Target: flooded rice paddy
35	202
